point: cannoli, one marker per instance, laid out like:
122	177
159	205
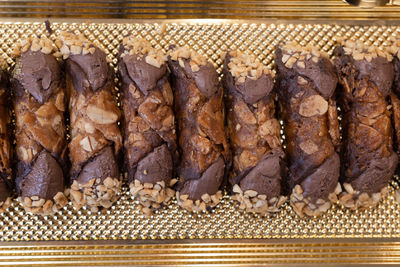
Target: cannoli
95	136
254	134
202	140
148	123
6	181
39	104
306	82
368	160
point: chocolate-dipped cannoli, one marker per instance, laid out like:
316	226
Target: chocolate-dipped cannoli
6	182
201	135
95	136
254	134
306	82
368	159
149	122
39	104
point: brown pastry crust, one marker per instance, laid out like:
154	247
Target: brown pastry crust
254	134
95	136
368	159
149	123
306	81
40	132
201	135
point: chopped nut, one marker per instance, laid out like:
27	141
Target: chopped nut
313	105
251	193
301	64
348	188
152	61
101	116
38	203
301	80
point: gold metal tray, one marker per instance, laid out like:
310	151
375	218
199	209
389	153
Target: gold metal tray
225	235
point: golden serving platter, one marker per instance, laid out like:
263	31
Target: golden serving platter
225	235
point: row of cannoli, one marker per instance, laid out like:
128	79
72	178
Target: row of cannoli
179	120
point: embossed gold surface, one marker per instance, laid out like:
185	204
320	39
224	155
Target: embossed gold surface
226	221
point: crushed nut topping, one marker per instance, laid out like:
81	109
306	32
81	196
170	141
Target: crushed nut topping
5	204
313	105
196	60
69	43
41	206
152	196
200	204
95	193
303	206
354	199
293	53
251	201
394	47
245	65
141	48
35	44
360	51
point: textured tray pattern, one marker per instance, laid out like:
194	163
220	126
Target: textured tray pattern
123	221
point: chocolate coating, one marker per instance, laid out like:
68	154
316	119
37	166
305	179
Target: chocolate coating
382	168
206	78
209	181
322	74
45	179
380	67
251	90
103	165
320	183
155	167
143	74
90	72
38	73
265	178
